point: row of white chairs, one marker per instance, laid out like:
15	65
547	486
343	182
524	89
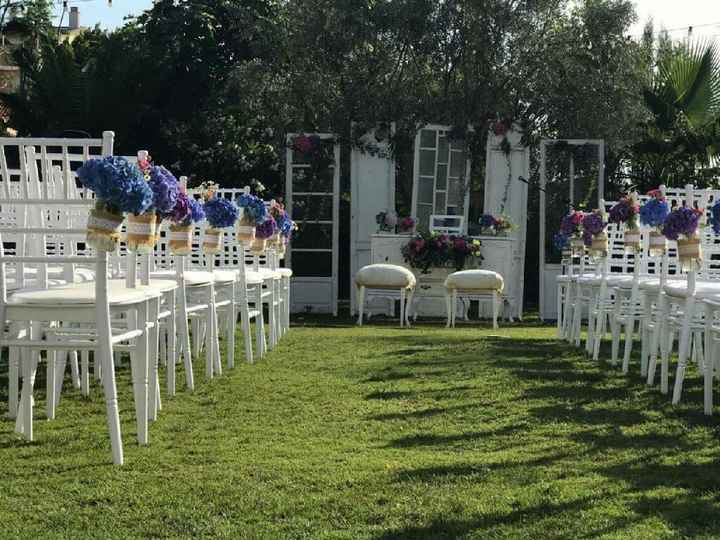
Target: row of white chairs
59	296
637	295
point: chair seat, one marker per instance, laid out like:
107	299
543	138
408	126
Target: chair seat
267	274
613	280
385	276
653	286
225	276
475	280
81	294
285	272
703	289
643	281
251	277
192	277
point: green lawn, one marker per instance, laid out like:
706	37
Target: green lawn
379	433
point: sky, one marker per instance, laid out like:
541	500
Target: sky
675	15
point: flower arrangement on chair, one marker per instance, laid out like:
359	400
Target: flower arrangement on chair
252	213
187	212
571	227
143	230
682	225
220	213
625	212
594	235
263	233
440	250
653	214
119	188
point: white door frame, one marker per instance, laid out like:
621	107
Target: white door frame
299	281
416	173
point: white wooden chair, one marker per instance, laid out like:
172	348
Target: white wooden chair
89	304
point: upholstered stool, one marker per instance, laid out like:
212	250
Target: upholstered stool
385	281
481	285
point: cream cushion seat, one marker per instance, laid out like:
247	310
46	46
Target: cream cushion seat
647	281
81	294
475	280
224	276
385	276
192	277
285	272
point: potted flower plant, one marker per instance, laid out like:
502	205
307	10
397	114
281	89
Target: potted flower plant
594	235
142	230
252	213
263	233
571	226
682	225
386	221
407	225
119	188
220	214
653	214
186	213
625	212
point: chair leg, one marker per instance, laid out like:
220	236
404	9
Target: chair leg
408	306
454	306
74	369
245	322
559	309
231	322
495	309
171	332
152	316
661	311
683	348
260	322
85	380
644	335
448	308
183	328
51	382
139	366
360	303
709	366
402	308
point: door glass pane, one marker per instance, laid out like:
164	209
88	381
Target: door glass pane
427	138
457	164
312	207
443	150
441	177
423	216
425	190
311	264
439	203
312	236
427	162
304	180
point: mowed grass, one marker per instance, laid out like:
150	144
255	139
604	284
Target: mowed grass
379	432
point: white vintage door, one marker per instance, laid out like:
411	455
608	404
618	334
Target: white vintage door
441	176
372	179
313	200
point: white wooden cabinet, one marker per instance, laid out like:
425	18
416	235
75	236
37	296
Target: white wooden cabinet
498	253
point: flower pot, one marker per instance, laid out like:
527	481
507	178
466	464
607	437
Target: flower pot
599	245
281	251
212	240
245	228
689	253
658	244
632	240
103	229
275	241
180	239
258	246
577	246
141	233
